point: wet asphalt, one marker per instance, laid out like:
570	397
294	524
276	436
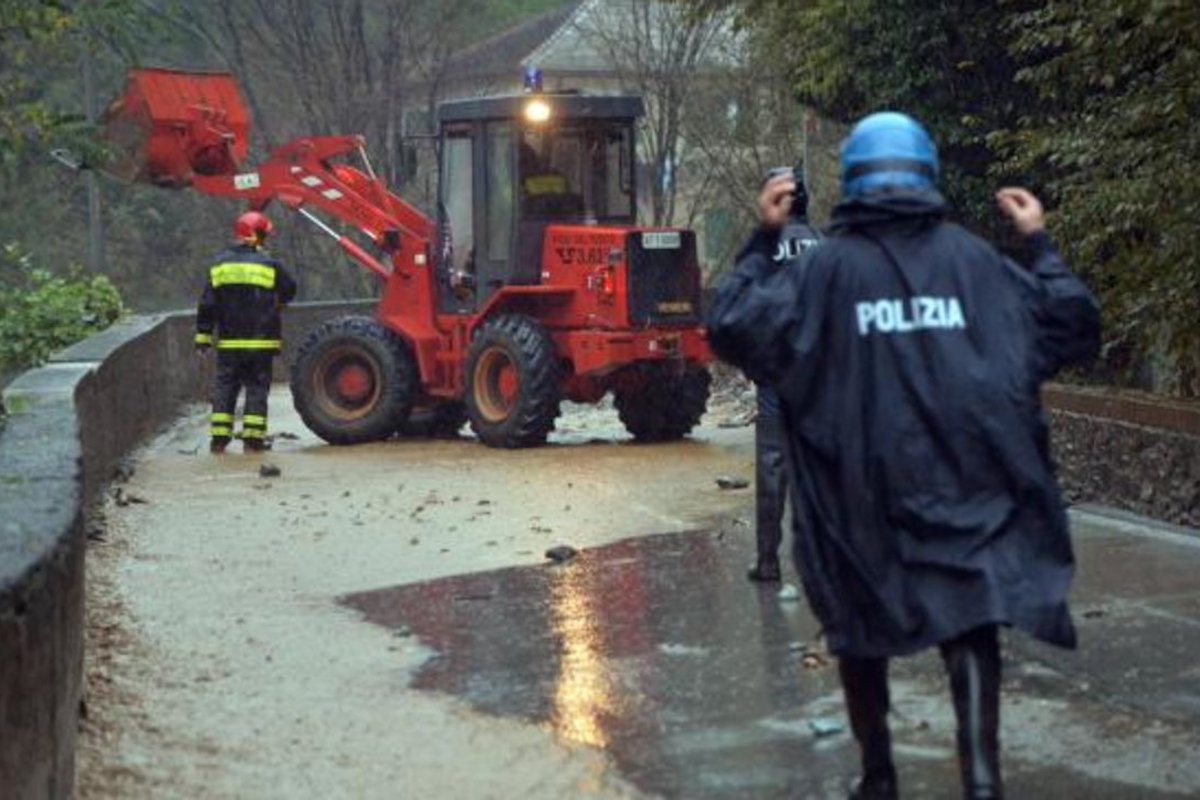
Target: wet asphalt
699	684
377	622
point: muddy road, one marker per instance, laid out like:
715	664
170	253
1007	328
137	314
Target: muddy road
381	622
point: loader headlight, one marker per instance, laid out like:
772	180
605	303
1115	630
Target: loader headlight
537	110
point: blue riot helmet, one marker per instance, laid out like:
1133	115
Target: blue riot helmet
887	150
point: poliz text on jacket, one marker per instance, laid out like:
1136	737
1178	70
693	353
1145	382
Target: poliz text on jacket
792	248
910	314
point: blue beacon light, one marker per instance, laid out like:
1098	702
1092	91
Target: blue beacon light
533	80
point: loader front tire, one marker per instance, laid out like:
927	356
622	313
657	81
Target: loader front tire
661	402
353	381
513	382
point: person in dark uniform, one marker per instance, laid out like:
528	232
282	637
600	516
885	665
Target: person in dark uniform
770	468
239	312
908	355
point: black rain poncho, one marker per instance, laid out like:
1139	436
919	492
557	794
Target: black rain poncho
908	355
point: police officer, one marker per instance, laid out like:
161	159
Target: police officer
908	354
770	471
239	313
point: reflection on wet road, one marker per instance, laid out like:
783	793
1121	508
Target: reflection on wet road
700	685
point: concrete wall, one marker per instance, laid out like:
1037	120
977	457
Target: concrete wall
68	424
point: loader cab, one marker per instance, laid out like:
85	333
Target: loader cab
510	167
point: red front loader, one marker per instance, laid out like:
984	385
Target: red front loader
534	284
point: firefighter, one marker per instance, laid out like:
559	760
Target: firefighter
239	313
908	354
770	471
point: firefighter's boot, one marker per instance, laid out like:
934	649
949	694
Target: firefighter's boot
864	682
973	664
220	430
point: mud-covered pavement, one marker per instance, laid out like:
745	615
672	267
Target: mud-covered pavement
380	622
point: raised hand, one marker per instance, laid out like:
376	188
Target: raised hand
1023	208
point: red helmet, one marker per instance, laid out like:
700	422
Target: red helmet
252	226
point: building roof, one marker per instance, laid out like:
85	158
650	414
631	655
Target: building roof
507	52
579	38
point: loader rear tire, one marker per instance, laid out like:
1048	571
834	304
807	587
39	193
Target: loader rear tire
662	403
353	381
513	382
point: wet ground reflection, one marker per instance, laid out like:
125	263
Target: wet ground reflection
694	681
656	649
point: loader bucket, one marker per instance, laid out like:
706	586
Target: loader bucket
171	125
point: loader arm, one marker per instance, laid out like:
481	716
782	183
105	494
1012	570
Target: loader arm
302	173
180	129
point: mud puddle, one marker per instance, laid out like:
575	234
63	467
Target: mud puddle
696	683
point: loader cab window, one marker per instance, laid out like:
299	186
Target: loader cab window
577	173
499	190
456	203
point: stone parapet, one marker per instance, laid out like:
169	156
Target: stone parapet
68	424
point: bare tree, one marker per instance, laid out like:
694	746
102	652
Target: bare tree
745	121
664	53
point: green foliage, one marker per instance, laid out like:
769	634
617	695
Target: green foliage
25	27
41	313
33	35
1092	105
943	63
1117	139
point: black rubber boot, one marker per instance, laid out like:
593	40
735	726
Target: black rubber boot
865	684
973	664
217	445
765	571
770	492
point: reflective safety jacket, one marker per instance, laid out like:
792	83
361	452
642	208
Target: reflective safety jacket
239	309
546	183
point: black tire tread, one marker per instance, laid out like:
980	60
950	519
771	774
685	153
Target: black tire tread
531	347
665	406
399	385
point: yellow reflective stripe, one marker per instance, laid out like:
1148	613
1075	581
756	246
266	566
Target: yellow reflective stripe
220	430
546	184
253	433
203	338
234	273
248	344
254	420
218	416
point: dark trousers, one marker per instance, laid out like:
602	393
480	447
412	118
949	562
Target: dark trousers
238	369
973	665
770	484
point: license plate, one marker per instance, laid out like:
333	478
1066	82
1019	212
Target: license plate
661	240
